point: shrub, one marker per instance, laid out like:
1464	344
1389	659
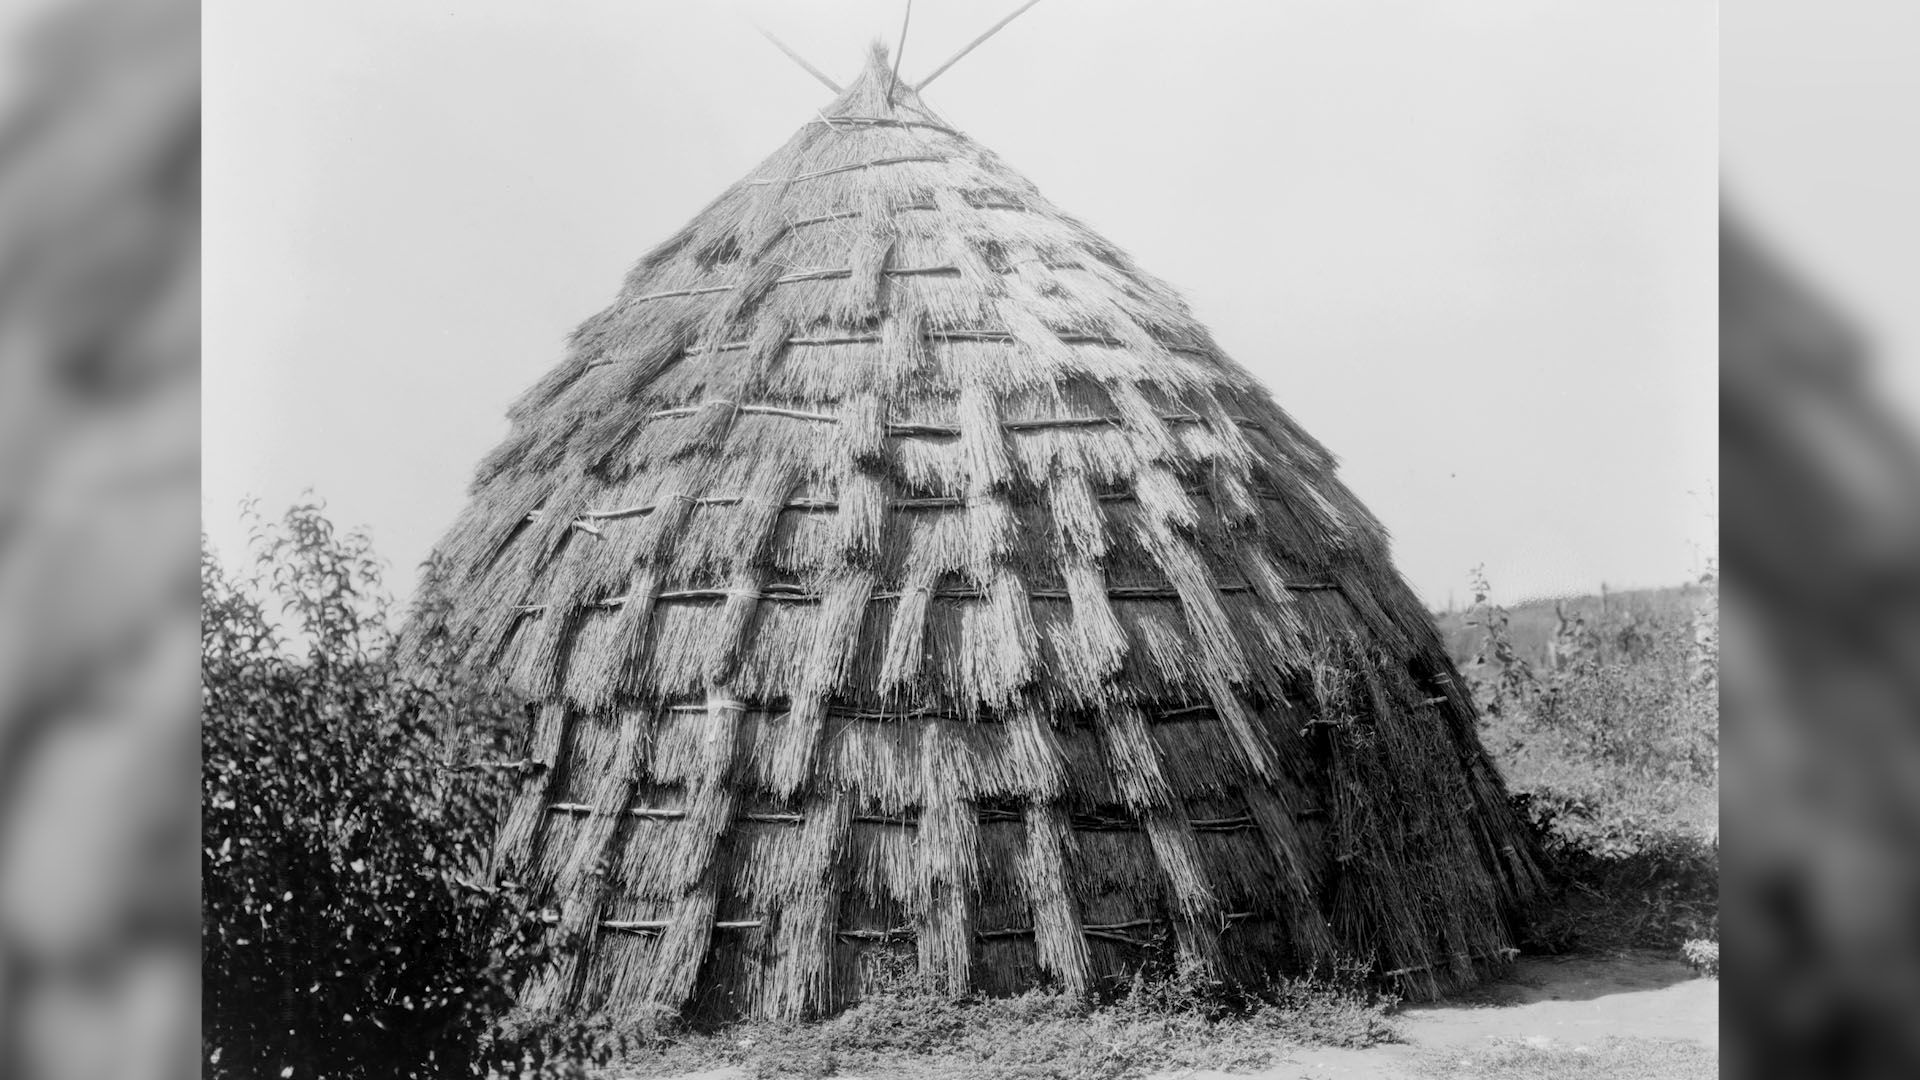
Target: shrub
1614	759
342	936
1703	955
1647	716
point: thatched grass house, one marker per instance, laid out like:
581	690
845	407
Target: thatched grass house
899	567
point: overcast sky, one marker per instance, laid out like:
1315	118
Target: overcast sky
1470	246
1813	97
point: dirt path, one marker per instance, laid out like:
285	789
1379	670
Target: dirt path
1581	1016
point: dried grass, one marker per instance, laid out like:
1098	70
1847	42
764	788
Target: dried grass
906	572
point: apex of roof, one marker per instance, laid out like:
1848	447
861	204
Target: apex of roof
876	92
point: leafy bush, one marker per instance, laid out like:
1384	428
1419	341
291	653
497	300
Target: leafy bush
1703	955
1614	758
1647	717
342	937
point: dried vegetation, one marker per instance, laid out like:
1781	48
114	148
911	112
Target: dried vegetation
903	569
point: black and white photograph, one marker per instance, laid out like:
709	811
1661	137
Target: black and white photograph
1124	540
1004	539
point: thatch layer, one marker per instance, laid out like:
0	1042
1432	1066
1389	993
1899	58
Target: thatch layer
901	568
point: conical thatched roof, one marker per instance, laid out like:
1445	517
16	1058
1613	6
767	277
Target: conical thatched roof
900	567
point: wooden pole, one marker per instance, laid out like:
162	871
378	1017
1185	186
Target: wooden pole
974	44
796	58
899	51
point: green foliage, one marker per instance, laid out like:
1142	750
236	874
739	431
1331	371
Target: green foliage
342	937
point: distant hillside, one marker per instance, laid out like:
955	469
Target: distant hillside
1533	621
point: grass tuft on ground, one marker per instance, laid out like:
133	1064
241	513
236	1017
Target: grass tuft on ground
1163	1020
1542	1059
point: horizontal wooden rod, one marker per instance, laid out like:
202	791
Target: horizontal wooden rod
1003	337
986	815
805	505
903	159
795	279
801	596
1501	955
882	121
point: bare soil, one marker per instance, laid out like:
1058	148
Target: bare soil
1635	1015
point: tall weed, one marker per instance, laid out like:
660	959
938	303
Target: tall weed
1614	757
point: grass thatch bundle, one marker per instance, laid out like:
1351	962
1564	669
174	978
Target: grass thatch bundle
901	570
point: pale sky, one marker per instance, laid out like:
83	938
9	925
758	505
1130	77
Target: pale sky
1820	161
1470	246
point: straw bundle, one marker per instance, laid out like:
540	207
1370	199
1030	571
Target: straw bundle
904	572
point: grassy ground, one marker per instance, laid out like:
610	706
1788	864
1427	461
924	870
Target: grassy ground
1637	1015
1612	1059
1164	1021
